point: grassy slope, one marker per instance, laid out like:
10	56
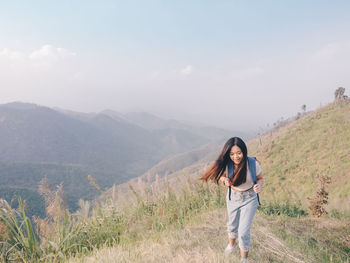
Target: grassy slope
291	157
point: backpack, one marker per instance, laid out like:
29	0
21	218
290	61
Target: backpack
252	169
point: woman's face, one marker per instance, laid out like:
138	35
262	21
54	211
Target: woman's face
236	154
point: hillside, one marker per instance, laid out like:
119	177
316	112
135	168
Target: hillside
292	157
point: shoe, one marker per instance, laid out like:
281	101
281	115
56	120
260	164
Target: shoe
229	249
244	260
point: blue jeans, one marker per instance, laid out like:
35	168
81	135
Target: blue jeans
241	210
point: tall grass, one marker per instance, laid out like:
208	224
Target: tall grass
104	223
61	235
176	207
57	236
19	241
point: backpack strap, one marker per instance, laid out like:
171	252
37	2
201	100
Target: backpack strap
252	169
229	172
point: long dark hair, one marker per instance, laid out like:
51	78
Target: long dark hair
219	167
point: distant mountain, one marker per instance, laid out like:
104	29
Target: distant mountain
20	105
66	146
178	162
151	122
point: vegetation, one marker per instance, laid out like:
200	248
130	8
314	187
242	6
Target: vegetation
317	204
62	234
293	156
182	217
290	210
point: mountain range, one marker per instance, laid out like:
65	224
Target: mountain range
65	146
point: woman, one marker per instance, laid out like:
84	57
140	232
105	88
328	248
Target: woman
242	175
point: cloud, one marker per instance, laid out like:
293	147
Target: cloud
41	59
187	70
48	55
52	53
12	55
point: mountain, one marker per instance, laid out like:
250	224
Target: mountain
153	123
65	146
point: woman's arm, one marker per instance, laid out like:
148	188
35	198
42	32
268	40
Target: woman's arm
257	188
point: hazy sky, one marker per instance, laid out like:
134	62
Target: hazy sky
233	64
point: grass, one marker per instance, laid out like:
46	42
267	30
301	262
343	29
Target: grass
203	239
293	156
290	210
62	235
319	240
183	225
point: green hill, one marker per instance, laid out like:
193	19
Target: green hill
292	157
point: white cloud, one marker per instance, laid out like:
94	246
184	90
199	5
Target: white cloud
52	53
187	70
45	57
41	59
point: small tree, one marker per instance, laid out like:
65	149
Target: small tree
321	199
339	94
303	108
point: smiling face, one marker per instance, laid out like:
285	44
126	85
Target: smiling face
236	154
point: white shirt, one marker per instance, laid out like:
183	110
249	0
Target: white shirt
249	180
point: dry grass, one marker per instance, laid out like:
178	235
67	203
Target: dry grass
292	156
202	240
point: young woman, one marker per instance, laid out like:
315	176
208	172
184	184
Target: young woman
238	172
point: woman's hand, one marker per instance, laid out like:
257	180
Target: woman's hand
225	181
257	188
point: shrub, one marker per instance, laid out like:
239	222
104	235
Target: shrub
291	210
321	199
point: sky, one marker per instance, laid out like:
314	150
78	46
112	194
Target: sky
233	64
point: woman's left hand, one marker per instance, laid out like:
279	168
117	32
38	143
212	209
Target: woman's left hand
257	188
